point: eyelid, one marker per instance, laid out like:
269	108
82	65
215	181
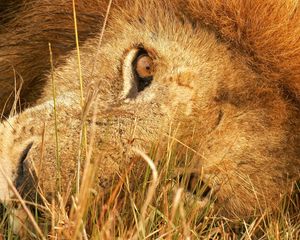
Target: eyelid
128	75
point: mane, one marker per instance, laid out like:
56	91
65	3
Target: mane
266	33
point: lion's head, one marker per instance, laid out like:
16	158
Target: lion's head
223	75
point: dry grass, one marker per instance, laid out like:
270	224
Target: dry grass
153	203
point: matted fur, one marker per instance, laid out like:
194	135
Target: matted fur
226	76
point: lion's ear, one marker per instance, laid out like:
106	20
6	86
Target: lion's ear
266	33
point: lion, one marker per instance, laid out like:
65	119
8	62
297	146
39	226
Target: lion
224	74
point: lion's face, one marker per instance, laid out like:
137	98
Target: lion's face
157	70
162	72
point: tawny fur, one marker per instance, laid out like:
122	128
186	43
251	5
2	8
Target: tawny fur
226	77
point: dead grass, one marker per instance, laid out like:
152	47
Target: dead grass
152	202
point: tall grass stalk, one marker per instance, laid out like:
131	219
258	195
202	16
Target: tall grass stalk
83	136
58	163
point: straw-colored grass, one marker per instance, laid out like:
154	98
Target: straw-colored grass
152	202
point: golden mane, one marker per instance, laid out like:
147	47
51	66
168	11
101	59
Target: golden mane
267	33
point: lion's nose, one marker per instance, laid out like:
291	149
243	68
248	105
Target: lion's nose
195	185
